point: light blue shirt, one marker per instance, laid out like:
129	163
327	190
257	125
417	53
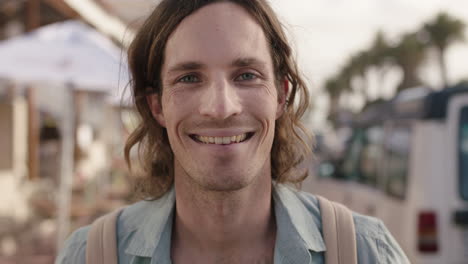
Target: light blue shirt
144	233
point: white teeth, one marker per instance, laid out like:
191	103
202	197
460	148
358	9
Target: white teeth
242	137
222	140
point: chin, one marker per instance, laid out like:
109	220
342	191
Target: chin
225	183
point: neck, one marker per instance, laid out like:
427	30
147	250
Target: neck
214	225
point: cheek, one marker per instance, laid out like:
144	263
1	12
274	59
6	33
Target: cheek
173	97
177	108
179	99
263	102
175	103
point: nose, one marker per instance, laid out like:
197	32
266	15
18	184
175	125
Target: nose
220	100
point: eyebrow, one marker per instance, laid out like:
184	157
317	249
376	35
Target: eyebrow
193	65
245	62
185	66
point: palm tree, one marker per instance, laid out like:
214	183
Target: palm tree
353	76
361	63
335	87
441	32
379	49
380	59
409	54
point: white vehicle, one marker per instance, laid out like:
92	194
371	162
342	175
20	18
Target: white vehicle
407	164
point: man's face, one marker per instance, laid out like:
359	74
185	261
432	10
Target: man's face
219	101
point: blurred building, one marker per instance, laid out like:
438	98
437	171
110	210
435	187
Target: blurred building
112	17
18	16
33	118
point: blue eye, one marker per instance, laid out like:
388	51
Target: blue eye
246	76
189	79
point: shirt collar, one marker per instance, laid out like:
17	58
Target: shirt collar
153	232
297	227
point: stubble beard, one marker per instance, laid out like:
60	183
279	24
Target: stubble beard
221	180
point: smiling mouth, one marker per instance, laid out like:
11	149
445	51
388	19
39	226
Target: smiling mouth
222	140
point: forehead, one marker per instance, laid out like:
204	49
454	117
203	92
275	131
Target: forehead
218	33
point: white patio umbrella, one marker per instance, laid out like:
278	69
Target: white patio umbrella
69	53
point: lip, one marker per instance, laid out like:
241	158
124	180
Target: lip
221	133
248	137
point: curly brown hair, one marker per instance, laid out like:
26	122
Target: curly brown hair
146	57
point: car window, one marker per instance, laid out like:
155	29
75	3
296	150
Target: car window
371	156
397	150
463	153
349	169
362	162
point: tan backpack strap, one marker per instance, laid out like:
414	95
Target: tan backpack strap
338	232
101	247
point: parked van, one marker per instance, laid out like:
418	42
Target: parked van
407	164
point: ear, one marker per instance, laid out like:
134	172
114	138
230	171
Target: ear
155	106
283	93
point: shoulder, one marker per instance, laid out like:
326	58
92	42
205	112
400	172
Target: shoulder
374	242
74	248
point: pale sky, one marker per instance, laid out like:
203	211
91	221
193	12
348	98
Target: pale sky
327	32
